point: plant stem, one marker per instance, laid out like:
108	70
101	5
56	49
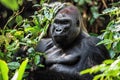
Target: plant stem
12	17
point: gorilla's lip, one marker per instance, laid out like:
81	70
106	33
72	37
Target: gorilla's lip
60	37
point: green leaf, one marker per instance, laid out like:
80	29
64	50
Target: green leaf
96	15
97	77
2	39
105	41
118	46
18	19
85	71
3	70
33	30
15	75
36	5
20	2
94	11
108	61
22	69
88	1
81	2
75	0
31	50
37	59
1	55
110	10
42	2
11	4
19	34
112	53
13	65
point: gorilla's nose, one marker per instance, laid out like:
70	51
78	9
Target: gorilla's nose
58	30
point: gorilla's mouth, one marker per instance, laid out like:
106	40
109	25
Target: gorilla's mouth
60	38
60	41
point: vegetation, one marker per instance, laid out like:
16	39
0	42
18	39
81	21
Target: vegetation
27	32
111	38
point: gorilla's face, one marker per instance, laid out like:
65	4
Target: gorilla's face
65	27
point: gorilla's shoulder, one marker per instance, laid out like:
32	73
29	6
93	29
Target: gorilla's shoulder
100	49
91	40
44	44
91	43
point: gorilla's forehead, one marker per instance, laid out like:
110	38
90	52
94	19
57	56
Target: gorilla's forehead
68	12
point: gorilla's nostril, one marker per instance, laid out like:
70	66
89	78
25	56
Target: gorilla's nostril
58	30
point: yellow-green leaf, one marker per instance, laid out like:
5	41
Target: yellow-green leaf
3	70
11	4
22	69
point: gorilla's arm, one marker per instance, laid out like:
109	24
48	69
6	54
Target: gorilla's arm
64	59
84	63
94	55
46	44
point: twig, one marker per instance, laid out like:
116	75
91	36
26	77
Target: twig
104	3
13	16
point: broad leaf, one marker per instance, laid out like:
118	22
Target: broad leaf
22	69
3	70
11	4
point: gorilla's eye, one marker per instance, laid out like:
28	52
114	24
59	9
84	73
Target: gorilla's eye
62	21
56	21
65	22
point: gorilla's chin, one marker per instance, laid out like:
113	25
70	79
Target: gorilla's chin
61	41
58	40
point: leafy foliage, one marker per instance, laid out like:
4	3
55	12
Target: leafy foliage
93	5
110	69
25	34
111	35
4	71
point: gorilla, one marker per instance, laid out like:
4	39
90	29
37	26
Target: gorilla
69	50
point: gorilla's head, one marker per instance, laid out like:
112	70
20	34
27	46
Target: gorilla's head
66	26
